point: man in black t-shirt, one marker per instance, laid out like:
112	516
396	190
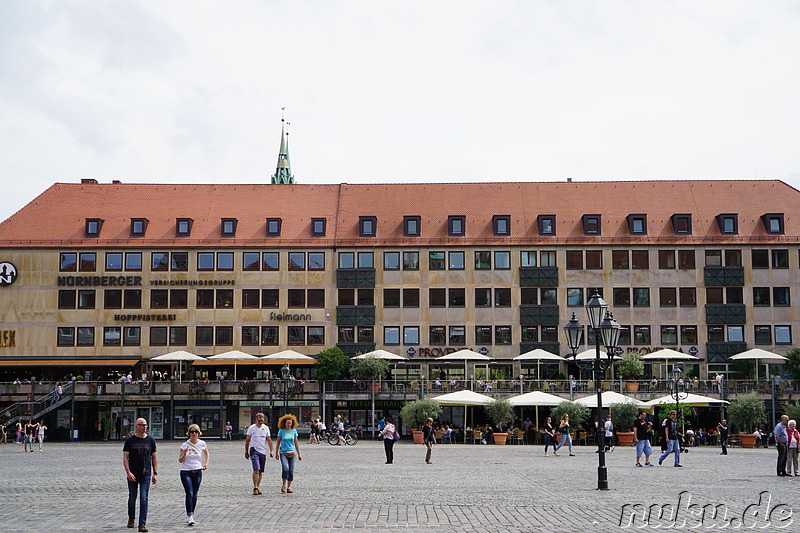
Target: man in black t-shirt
141	466
722	427
642	440
670	426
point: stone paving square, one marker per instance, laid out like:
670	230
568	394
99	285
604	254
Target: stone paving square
81	486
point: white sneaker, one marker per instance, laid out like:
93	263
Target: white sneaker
190	520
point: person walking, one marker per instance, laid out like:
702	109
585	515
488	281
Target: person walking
549	435
794	440
313	436
30	435
724	434
670	426
194	458
255	449
20	432
339	425
781	443
563	429
40	429
228	431
608	427
141	468
288	447
429	437
4	436
387	434
641	438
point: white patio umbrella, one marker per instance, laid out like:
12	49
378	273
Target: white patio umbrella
465	398
667	355
609	398
234	357
694	400
180	356
289	355
759	354
535	399
381	354
466	355
539	355
589	355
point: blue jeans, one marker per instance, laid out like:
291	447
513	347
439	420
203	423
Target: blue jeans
143	485
672	446
287	467
191	480
565	439
643	446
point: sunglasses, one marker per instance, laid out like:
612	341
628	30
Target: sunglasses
194	431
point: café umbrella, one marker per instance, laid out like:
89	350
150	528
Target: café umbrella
233	357
178	357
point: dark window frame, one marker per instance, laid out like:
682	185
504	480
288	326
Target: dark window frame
767	219
89	225
277	231
134	222
362	226
452	220
540	223
681	218
406	229
496	219
319	231
188	222
231	232
722	217
637	217
592	219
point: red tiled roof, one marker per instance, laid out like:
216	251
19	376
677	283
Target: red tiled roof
57	216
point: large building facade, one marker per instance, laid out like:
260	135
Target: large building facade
102	276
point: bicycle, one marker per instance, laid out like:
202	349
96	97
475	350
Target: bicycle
350	438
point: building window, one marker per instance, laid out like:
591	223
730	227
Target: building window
178	298
688	296
177	336
502	297
367	226
688	335
483	335
67	299
138	227
456	260
780	258
411	226
85	336
641	297
205	261
410	260
483	260
270	261
132	335
250	336
549	297
204	335
159	299
622	297
640	259
456	225
728	223
297	261
229	227
224	261
763	334
667	297
205	298
391	298
437	298
547	259
682	224
437	335
436	261
483	297
316	335
760	258
133	261
458	335
132	299
274	227
620	260
501	225
594	259
112	299
366	334
761	296
251	261
410	335
574	260
547	225
456	297
526	259
297	299
365	260
297	335
87	262
66	337
92	229
179	261
68	262
391	260
502	260
637	224
716	334
159	261
735	333
783	334
669	334
641	335
347	260
773	223
114	261
224	299
549	333
318	227
624	335
780	296
251	298
269	335
574	297
591	224
183	227
686	259
666	259
502	335
530	334
410	297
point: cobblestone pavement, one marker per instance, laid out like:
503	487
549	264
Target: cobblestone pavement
468	488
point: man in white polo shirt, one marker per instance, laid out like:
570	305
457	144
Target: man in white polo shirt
255	449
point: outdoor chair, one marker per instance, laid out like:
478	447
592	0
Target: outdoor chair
476	436
518	437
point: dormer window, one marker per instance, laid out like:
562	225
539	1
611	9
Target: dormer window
682	223
501	225
138	227
273	227
728	223
773	223
547	225
318	227
183	227
456	225
591	224
412	226
93	226
366	226
229	227
637	224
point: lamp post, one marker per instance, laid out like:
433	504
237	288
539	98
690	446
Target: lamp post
607	329
677	394
288	386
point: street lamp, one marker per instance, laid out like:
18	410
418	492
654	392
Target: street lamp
605	329
677	394
288	386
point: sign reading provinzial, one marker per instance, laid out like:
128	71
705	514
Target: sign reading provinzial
8	273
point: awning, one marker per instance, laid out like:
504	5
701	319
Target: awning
28	361
259	362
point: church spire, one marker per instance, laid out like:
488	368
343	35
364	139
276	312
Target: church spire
283	172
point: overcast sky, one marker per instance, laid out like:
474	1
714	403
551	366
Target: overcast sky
414	91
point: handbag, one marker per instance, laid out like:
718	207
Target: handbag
396	435
289	454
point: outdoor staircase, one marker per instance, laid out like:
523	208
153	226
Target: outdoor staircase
35	409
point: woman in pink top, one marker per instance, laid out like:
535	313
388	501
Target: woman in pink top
794	440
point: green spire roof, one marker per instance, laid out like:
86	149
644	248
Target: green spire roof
283	172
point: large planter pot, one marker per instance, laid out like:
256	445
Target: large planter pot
632	386
500	437
625	438
418	436
748	440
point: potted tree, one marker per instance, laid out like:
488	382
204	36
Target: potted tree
746	412
631	367
332	364
369	369
500	412
622	416
416	413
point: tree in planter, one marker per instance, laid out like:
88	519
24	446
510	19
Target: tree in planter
416	413
630	366
746	412
623	415
577	413
332	364
500	412
369	368
664	410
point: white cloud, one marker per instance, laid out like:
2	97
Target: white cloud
416	91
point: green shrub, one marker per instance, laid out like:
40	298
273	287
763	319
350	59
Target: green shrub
416	413
500	412
630	366
746	412
368	368
623	415
578	413
332	364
